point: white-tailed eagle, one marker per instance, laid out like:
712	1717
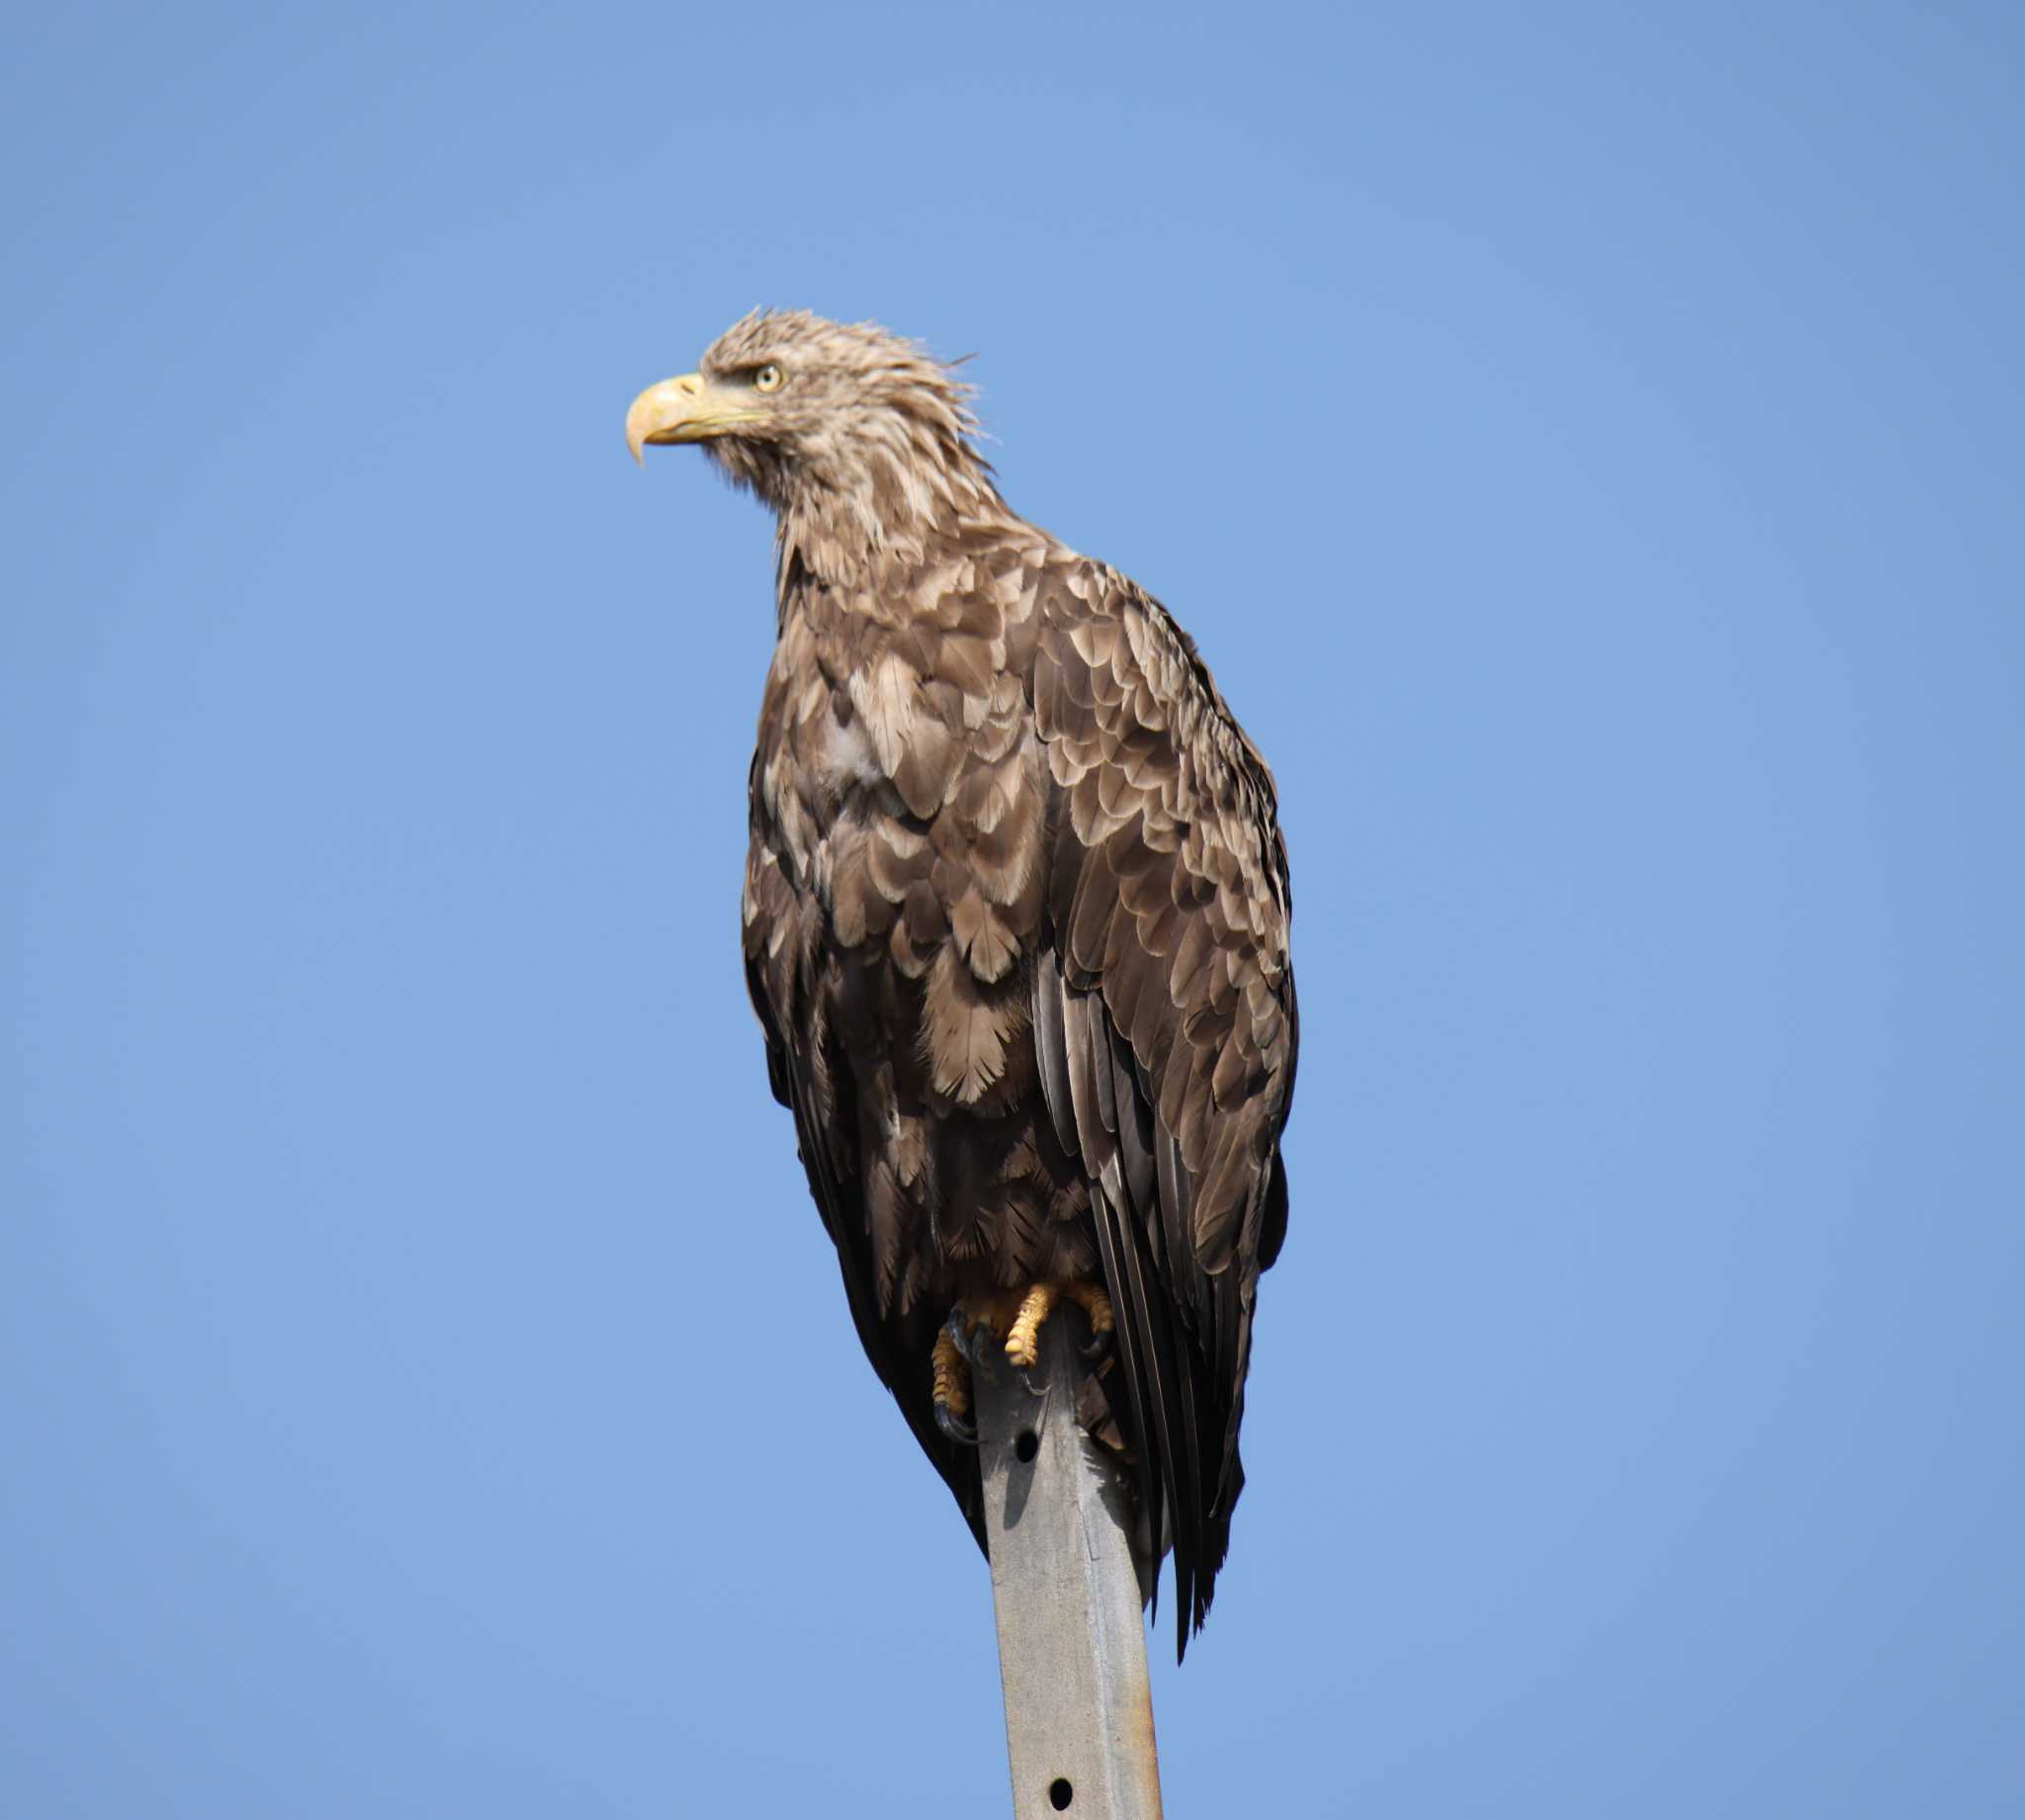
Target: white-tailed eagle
1016	924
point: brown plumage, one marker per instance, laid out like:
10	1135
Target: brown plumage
1015	913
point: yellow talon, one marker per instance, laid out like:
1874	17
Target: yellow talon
1023	1343
951	1374
1095	1304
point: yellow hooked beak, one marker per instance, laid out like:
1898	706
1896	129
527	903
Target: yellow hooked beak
685	410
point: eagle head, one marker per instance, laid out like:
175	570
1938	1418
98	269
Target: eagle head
813	415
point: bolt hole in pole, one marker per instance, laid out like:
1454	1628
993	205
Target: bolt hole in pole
1060	1793
1024	1450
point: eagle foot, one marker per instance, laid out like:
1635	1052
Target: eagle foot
1102	1320
950	1370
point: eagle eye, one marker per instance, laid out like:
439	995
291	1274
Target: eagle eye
768	378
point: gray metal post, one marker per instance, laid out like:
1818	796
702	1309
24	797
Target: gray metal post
1072	1647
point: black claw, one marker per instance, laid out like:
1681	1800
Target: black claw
964	1434
1099	1342
970	1341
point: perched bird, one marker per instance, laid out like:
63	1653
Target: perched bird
1016	924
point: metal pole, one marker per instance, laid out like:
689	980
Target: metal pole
1072	1647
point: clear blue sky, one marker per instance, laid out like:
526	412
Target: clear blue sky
1585	440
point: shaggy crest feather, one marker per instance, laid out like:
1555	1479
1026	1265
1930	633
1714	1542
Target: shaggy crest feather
869	431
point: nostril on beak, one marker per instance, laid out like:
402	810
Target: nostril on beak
689	384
